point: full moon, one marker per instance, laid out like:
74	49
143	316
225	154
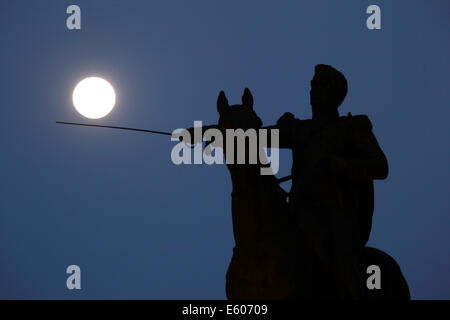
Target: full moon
94	97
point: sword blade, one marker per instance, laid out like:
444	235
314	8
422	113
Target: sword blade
113	127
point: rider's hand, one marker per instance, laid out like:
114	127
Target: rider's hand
286	120
191	132
187	135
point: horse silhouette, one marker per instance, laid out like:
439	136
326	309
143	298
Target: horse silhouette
272	258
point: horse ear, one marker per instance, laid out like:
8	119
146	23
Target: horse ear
222	102
247	98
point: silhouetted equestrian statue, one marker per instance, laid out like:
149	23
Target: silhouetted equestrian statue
311	244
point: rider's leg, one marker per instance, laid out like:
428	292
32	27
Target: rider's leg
344	263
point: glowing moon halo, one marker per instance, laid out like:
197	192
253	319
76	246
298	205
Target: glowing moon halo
94	97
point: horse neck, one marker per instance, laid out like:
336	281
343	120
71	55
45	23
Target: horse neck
249	216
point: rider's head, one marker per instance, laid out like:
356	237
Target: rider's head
328	88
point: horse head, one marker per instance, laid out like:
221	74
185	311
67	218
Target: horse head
241	124
239	115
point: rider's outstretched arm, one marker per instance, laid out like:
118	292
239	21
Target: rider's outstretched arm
288	130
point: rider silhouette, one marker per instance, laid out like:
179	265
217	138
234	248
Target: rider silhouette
335	160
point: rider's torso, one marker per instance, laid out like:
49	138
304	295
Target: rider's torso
315	189
313	183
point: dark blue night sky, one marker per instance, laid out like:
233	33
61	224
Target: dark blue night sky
141	227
